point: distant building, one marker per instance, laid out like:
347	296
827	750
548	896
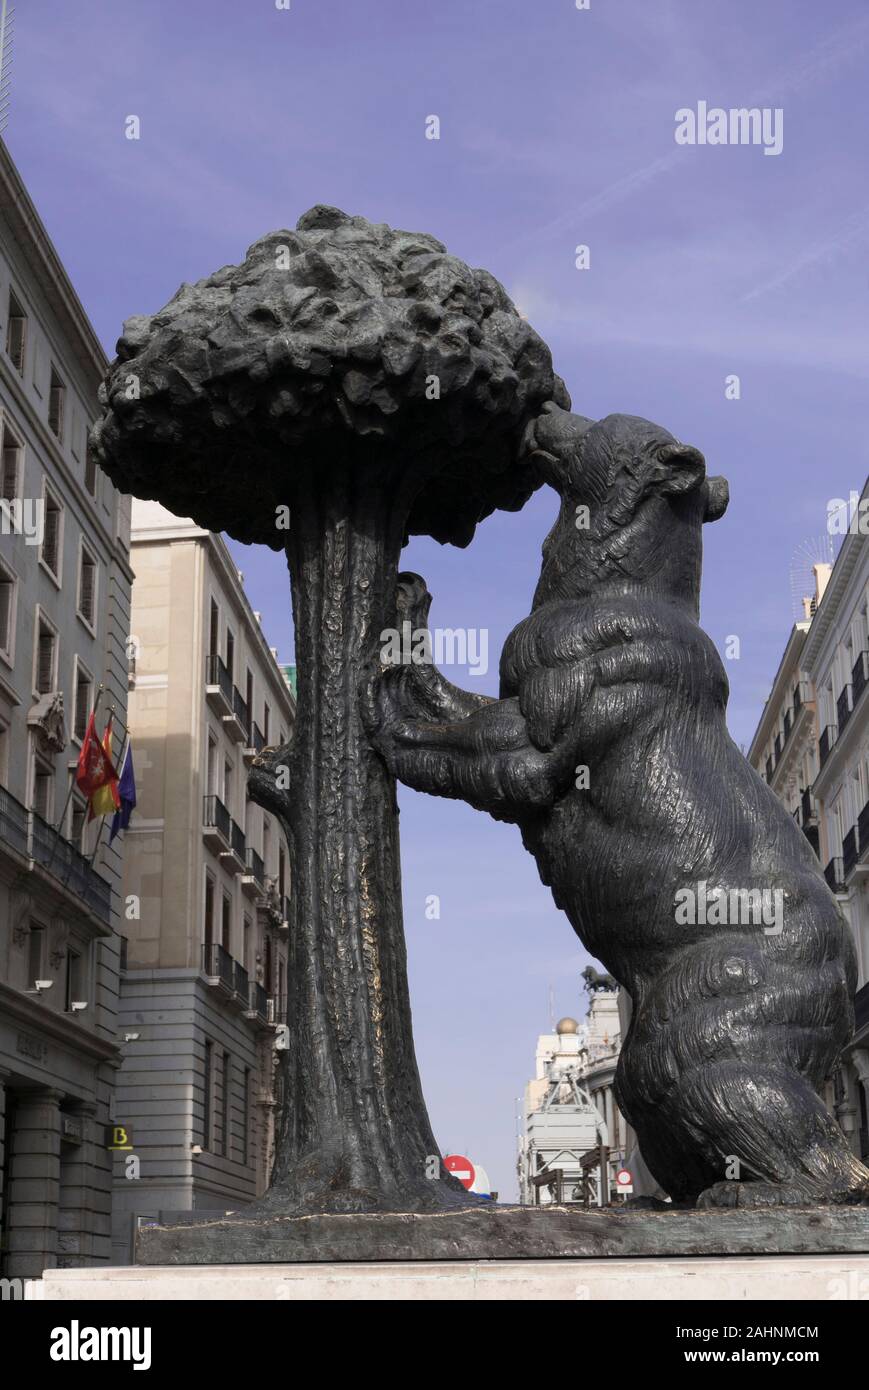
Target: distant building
64	619
569	1105
206	883
812	747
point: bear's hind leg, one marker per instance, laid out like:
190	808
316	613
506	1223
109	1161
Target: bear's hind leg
770	1137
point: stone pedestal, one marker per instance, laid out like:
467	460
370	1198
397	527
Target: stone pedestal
491	1232
817	1278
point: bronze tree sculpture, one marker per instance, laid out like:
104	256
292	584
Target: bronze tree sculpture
375	386
609	749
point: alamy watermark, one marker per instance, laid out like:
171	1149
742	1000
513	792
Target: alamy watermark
442	646
702	906
23	516
738	125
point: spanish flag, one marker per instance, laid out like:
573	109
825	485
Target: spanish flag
95	774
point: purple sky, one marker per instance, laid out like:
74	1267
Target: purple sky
557	128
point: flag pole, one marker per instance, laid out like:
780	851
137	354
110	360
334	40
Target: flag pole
71	785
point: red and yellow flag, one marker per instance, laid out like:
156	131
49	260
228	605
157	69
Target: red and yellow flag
95	774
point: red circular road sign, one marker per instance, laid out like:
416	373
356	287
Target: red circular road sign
624	1177
461	1168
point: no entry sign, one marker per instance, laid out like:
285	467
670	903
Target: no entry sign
461	1168
625	1180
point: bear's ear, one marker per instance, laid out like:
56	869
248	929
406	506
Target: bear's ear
717	498
682	467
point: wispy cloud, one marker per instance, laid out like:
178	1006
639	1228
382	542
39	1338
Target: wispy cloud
851	234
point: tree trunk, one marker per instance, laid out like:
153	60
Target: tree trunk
354	1134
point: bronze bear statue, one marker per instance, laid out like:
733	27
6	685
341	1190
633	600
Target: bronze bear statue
609	748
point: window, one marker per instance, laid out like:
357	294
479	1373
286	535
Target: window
12	452
267	843
246	958
35	953
45	664
83	694
230	654
7	612
56	399
268	967
266	723
281	871
90	467
249	700
74	979
87	586
227	784
208	1088
245	1119
16	333
214	630
226	923
209	910
211	766
51	540
78	821
4	755
227	1083
43	789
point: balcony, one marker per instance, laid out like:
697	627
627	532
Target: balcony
834	873
216	825
843	709
861	1009
849	853
234	858
219	967
235	723
859	677
826	743
13	824
277	1011
258	1006
863	834
241	983
254	742
63	862
253	878
218	686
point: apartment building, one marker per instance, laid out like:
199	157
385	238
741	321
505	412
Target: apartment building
812	747
206	884
64	617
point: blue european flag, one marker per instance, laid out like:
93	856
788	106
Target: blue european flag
127	793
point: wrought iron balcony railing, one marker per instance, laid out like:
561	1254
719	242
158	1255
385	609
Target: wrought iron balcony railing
834	873
826	742
218	964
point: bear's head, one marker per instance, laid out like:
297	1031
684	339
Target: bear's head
633	503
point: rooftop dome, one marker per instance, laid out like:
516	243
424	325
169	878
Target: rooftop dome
567	1025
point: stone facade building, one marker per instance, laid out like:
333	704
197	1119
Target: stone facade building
555	1138
812	747
206	884
64	618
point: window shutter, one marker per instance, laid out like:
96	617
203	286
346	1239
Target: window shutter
88	576
45	662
